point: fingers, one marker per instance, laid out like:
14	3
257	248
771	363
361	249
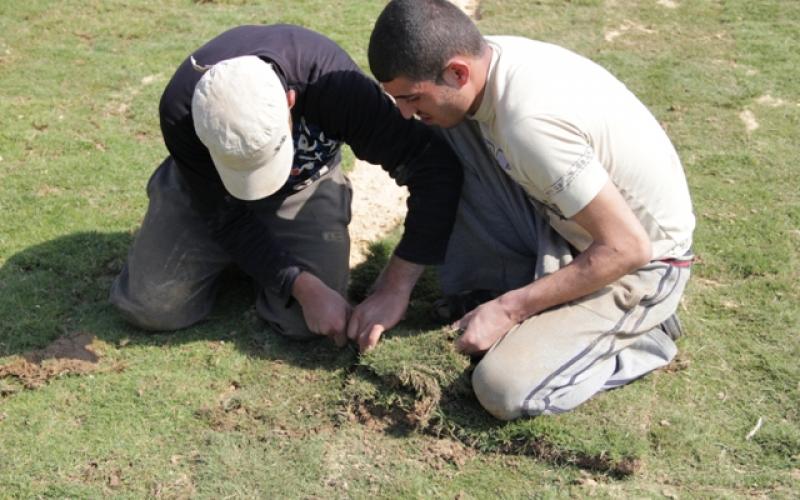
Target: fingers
459	327
339	334
460	348
365	333
463	323
365	326
340	338
466	342
467	347
353	324
369	338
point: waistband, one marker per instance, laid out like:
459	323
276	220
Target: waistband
677	262
685	260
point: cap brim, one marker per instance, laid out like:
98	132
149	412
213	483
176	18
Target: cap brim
258	181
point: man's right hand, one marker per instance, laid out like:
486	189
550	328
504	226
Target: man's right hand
324	310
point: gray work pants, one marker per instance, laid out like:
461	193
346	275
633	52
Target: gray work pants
170	278
555	360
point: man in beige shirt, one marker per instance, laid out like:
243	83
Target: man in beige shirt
575	213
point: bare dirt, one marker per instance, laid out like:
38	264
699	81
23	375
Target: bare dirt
76	353
471	7
443	451
379	205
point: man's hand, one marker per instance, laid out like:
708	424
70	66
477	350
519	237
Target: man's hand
379	312
324	310
483	326
619	246
386	306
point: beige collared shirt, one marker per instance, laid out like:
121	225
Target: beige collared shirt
561	126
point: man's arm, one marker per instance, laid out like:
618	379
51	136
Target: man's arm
353	108
620	246
234	224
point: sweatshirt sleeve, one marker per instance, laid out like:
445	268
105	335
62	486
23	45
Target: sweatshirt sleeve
234	224
354	109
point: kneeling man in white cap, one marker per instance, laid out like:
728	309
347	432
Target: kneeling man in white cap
254	122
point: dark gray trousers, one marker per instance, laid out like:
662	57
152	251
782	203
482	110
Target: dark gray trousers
170	278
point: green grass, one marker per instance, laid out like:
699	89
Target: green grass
227	408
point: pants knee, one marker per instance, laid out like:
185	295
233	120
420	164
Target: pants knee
507	395
292	330
499	393
155	319
154	314
286	321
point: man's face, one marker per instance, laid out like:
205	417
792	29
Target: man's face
440	105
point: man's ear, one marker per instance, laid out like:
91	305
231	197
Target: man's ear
291	97
457	72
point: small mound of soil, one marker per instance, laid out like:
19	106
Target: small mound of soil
71	354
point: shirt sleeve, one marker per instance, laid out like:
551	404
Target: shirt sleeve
555	163
251	244
354	109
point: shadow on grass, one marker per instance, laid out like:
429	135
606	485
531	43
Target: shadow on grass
60	287
56	287
414	381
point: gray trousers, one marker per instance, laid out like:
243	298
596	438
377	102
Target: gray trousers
170	278
556	360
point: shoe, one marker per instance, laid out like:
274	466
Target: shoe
672	327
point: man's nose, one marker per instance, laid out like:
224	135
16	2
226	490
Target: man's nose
407	110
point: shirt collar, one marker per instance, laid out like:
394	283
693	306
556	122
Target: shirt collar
485	112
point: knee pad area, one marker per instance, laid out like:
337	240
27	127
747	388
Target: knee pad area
499	393
290	323
157	315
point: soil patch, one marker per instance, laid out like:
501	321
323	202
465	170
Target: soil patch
75	346
72	354
420	404
378	206
443	452
456	445
380	418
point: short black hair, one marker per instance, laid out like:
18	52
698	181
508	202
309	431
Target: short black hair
415	39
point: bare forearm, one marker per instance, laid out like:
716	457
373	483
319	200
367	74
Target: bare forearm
399	276
593	269
620	247
387	304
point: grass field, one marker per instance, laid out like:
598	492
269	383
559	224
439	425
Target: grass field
228	409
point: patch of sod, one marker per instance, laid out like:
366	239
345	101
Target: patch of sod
415	381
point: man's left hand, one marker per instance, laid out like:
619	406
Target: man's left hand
386	306
379	312
482	327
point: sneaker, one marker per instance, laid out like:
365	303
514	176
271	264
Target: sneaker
672	327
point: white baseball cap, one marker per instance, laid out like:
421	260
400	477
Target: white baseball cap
241	115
